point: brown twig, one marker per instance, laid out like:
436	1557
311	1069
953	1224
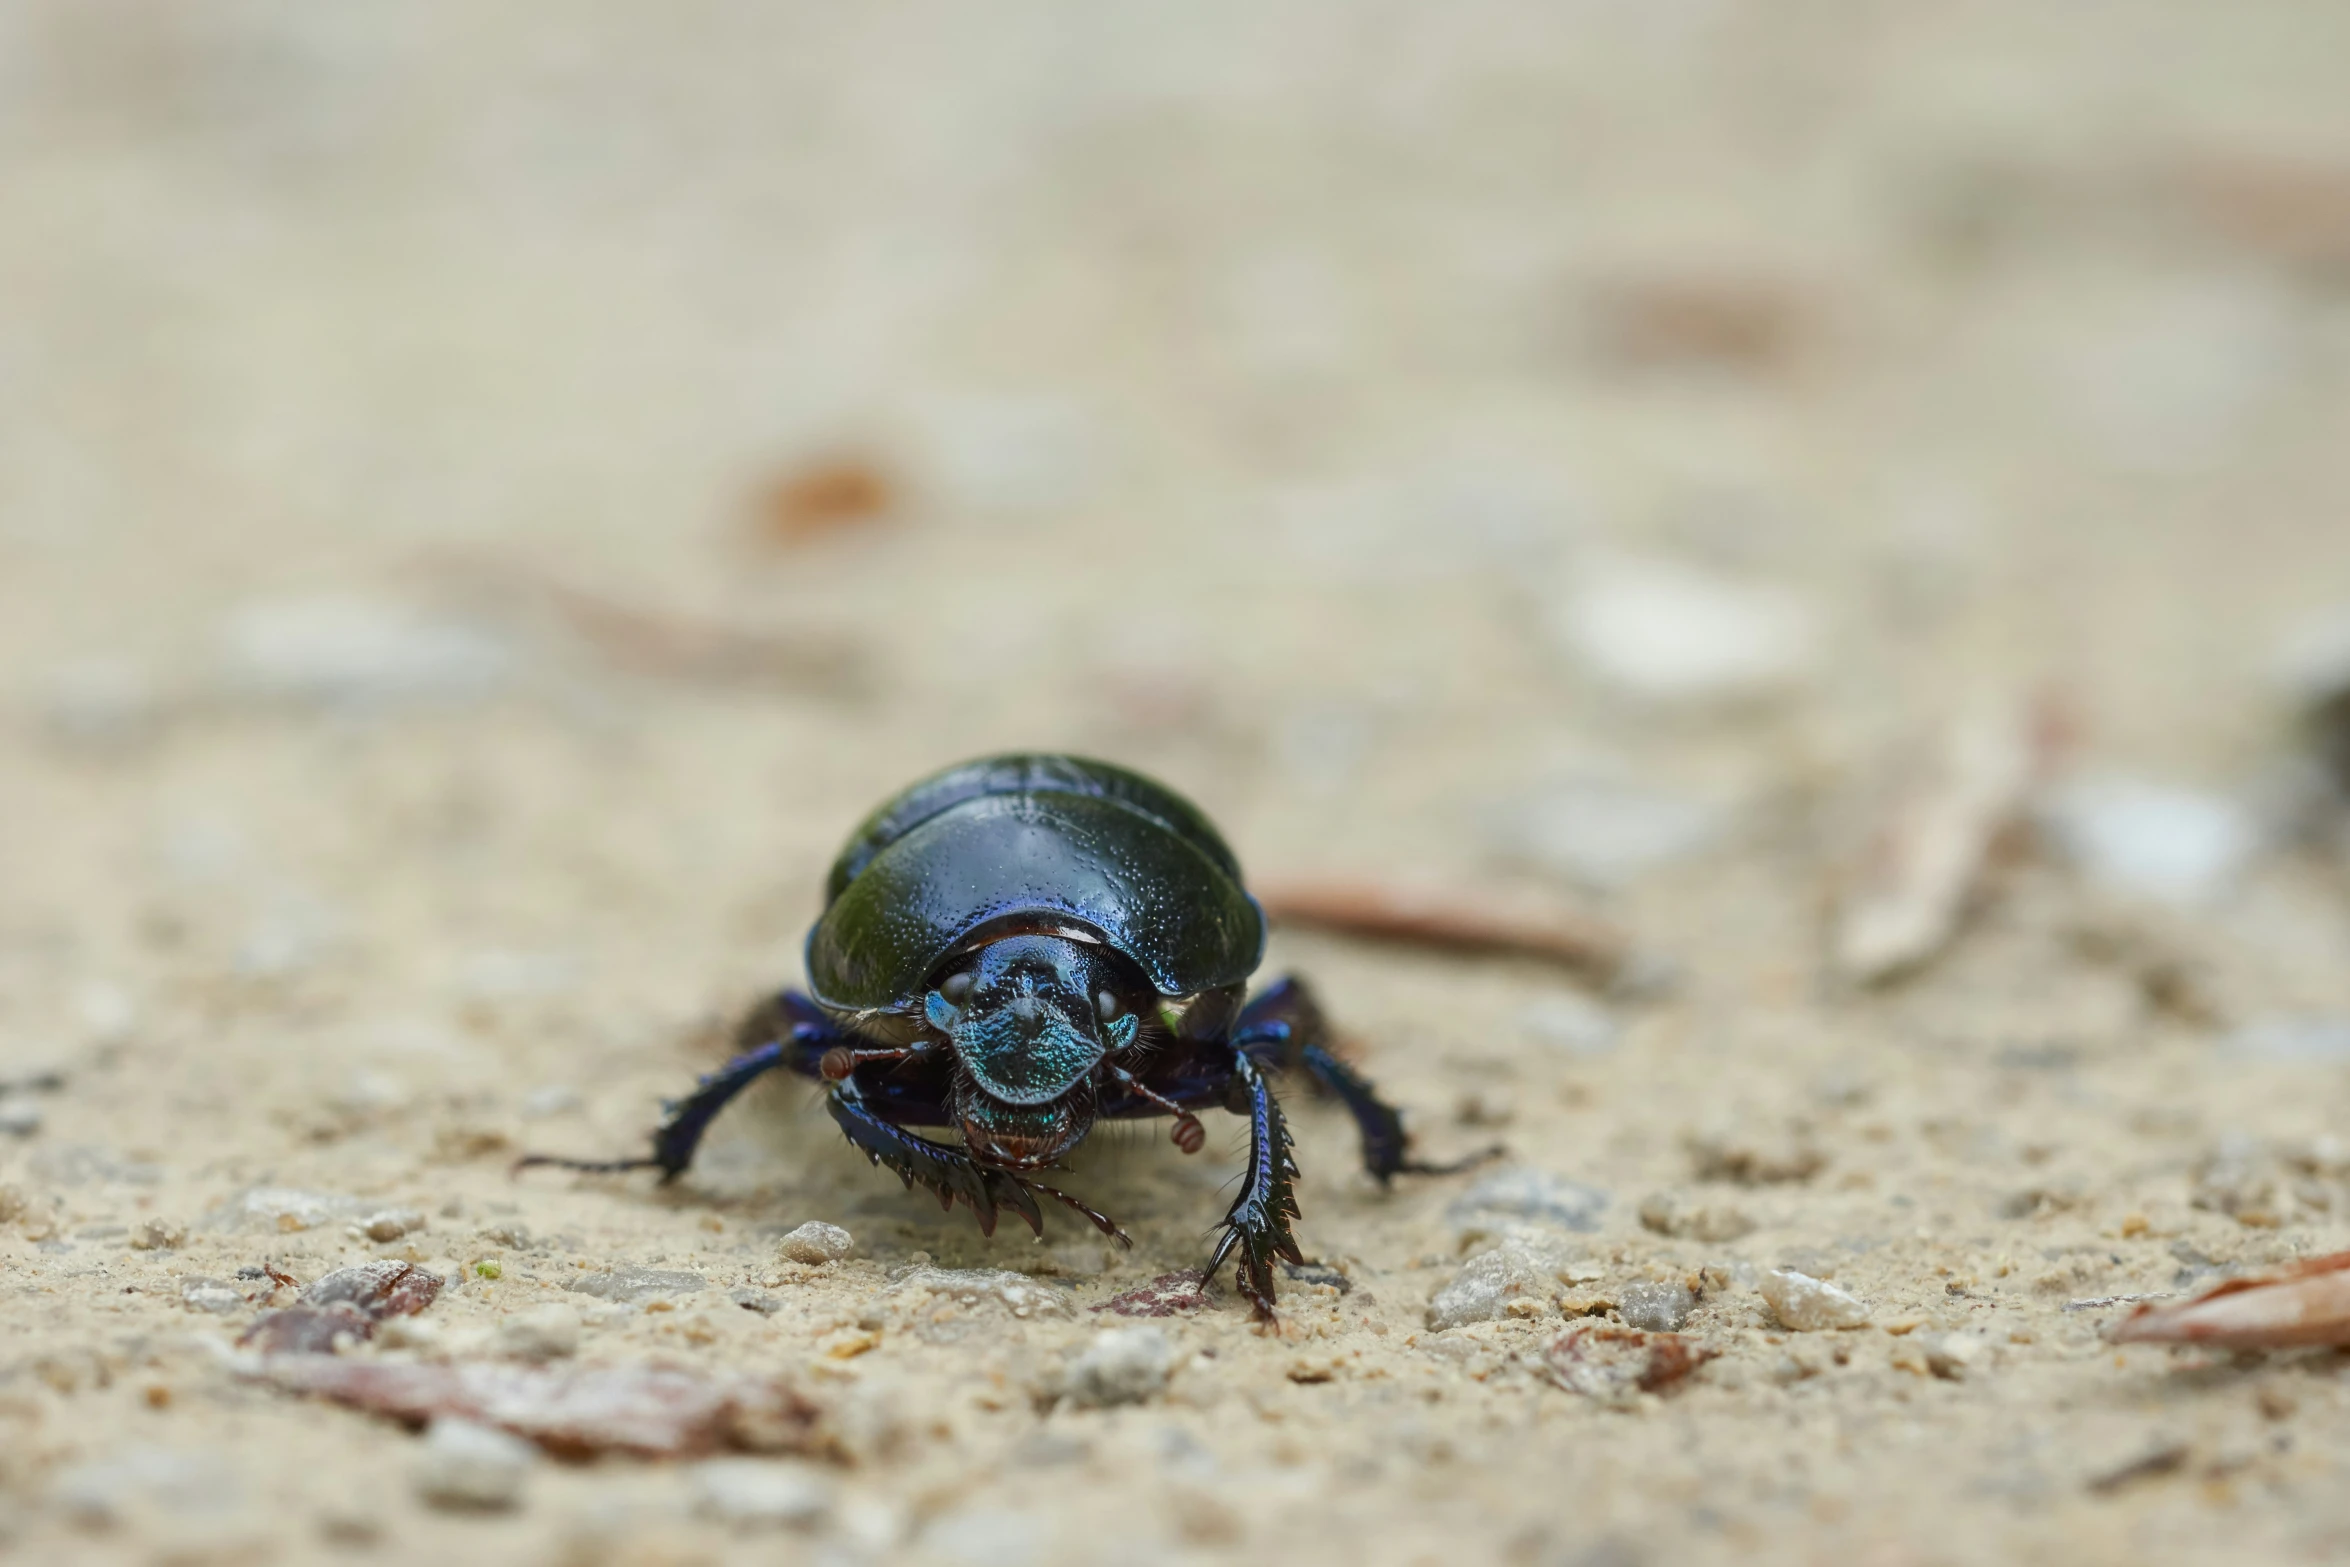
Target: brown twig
1452	922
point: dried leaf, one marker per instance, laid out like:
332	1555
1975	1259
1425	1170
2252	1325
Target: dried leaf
573	1411
2300	1304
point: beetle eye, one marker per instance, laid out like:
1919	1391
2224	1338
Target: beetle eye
1107	1005
956	988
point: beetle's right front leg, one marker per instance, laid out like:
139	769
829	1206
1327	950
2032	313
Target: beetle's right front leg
1257	1227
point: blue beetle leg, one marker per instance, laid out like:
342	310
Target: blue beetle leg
1256	1230
1284	1027
949	1173
785	1031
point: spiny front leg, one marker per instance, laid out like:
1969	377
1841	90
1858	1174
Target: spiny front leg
950	1173
1284	1027
1256	1230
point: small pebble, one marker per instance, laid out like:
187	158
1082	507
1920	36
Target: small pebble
635	1286
1121	1366
1668	634
109	1491
211	1295
1656	1308
817	1242
159	1235
760	1493
1668	1214
1017	1293
549	1332
1956	1356
19	1118
469	1467
282	1209
1525	1267
1810	1305
2173	845
389	1225
555	1099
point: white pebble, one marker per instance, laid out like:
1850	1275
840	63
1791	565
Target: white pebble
549	1332
1809	1305
817	1242
19	1118
2169	844
358	651
1956	1356
1524	1267
472	1467
389	1225
1665	633
1121	1366
761	1493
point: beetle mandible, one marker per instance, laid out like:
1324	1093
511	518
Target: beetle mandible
1016	948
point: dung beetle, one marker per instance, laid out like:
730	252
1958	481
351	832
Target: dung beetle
1016	948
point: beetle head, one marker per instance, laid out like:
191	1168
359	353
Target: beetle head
1029	1020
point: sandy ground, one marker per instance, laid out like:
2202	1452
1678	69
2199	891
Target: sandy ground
1254	390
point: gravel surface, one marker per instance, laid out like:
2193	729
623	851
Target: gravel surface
489	499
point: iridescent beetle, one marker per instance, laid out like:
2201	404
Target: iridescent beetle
1019	947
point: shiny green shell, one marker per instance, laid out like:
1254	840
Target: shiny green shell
1006	838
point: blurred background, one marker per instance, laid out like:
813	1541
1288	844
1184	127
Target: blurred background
490	493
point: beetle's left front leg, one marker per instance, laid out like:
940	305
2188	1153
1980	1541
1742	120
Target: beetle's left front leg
1256	1230
949	1173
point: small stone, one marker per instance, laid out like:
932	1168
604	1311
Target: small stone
281	1209
1668	634
1666	1213
752	1493
19	1118
358	651
1017	1293
1513	1199
816	1243
549	1332
1121	1366
389	1225
2169	844
159	1235
1757	1155
2318	1041
1656	1308
1810	1305
1525	1266
107	1492
211	1295
552	1100
1571	1025
635	1286
505	1232
472	1468
1956	1356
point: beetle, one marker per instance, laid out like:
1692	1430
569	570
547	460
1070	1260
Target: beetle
1016	948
